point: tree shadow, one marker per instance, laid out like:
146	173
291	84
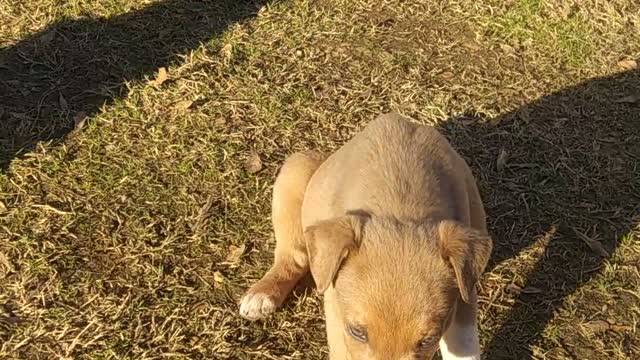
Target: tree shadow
75	66
572	172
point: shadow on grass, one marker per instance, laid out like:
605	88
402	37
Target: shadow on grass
78	65
572	172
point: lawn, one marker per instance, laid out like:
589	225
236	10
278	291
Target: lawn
139	141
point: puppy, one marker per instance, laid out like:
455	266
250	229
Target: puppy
393	231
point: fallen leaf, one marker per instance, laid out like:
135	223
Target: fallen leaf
597	326
253	164
502	159
3	207
52	209
227	52
447	75
19	116
593	244
63	103
621	328
467	120
5	265
507	49
525	113
206	208
472	45
183	105
367	94
161	77
79	120
217	277
628	64
629	99
11	320
496	121
514	288
531	290
527	290
47	38
235	253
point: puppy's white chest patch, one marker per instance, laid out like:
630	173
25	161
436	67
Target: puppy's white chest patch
460	343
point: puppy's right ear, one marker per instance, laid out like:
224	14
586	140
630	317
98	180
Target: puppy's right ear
329	242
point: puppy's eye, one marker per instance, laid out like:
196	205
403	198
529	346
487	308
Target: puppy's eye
426	342
357	333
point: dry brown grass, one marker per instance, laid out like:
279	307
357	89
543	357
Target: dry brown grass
134	235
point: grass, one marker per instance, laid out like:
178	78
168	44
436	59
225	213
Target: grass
134	233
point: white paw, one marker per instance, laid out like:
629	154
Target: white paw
256	306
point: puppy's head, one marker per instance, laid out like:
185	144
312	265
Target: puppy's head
395	284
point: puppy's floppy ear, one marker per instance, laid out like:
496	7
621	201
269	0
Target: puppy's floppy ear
467	250
329	243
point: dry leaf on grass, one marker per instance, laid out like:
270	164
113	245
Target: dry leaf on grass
531	290
63	103
597	326
217	277
227	52
11	320
253	164
507	49
183	105
472	45
527	290
235	253
161	77
502	159
47	38
633	98
3	207
19	116
447	75
600	326
514	288
79	120
593	244
525	113
628	64
5	265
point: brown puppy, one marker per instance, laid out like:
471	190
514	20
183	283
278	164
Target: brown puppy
393	230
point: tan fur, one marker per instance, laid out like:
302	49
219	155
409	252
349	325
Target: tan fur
290	259
395	237
328	244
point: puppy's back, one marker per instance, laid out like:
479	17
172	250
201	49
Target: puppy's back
393	167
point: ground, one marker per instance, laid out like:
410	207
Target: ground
139	141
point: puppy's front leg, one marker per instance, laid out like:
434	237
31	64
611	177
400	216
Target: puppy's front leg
460	341
290	263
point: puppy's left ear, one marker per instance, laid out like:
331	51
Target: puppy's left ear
467	250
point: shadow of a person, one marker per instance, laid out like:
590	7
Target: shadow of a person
77	65
571	175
